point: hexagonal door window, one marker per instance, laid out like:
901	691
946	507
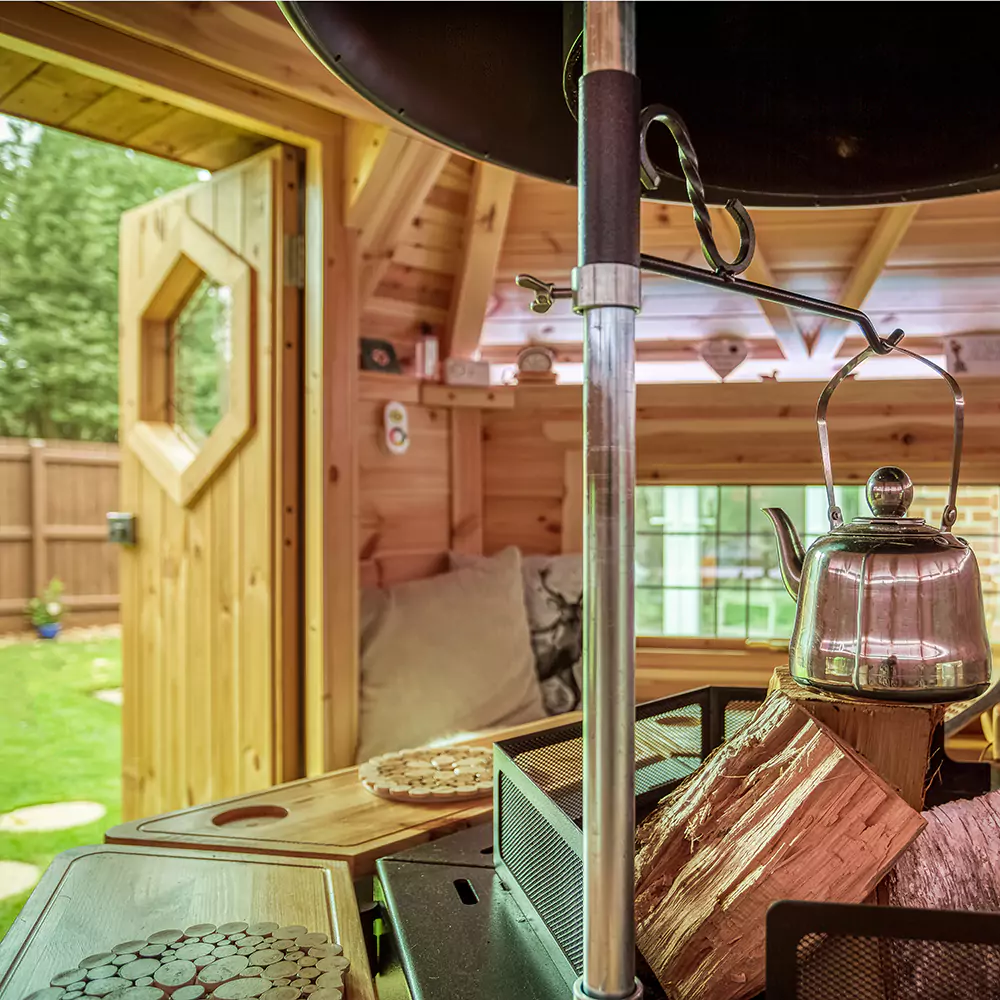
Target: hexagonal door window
201	354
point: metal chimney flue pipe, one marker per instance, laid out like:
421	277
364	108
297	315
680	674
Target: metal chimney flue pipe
606	287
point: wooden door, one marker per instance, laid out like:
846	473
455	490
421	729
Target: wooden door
210	395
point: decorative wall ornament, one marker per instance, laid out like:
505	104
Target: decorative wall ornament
723	354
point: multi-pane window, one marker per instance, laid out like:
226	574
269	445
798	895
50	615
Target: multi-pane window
706	563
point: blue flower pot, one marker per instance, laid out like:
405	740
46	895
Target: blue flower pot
49	631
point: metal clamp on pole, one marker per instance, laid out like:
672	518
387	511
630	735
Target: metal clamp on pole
598	285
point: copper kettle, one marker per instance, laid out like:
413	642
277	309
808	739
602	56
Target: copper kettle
888	606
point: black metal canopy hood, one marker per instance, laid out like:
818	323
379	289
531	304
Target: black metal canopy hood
788	103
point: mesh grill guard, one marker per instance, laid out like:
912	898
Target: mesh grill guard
538	843
827	951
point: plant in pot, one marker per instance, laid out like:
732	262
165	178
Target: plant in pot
46	610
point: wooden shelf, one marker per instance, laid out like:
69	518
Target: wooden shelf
494	397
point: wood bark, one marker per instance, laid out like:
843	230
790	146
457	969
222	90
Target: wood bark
894	737
784	810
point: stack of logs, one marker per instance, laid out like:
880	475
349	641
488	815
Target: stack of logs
816	798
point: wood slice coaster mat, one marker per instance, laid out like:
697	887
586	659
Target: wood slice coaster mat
432	774
234	961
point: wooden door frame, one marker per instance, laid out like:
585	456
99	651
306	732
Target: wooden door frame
330	587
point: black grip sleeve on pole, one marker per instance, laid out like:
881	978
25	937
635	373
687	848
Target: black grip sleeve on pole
610	186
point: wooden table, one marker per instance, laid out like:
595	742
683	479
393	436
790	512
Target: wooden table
329	817
92	898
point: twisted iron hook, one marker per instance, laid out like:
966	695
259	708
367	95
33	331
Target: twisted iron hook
651	176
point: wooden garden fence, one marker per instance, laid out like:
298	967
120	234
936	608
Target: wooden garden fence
54	496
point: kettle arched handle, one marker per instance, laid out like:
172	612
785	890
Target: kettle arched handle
950	513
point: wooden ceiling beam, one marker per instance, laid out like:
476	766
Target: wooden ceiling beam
885	237
787	330
387	177
486	224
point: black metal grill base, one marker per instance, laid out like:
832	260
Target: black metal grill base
518	934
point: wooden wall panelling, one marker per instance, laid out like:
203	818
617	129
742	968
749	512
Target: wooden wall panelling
405	515
937	279
415	280
574	487
332	700
287	472
252	40
784	321
760	433
467	481
260	666
15	67
53	35
381	208
887	234
198	84
486	224
65	98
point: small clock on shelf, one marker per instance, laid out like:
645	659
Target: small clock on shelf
535	366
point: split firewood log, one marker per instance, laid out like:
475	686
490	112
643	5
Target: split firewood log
784	810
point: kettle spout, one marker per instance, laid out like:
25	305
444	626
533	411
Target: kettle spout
790	553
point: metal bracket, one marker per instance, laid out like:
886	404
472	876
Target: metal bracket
295	260
597	285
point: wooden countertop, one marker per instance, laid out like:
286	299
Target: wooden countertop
329	817
92	898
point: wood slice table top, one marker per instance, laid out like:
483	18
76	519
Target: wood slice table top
94	897
331	816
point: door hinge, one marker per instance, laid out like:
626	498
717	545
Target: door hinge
295	260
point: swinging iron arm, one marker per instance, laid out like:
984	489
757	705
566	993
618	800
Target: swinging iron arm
782	296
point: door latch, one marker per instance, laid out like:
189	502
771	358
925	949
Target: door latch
121	528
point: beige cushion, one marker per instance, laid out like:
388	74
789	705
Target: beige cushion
446	655
553	598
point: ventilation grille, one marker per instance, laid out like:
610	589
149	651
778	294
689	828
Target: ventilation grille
545	868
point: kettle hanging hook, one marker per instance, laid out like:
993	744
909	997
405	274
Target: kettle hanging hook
651	176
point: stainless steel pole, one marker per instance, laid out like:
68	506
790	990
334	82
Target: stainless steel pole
606	286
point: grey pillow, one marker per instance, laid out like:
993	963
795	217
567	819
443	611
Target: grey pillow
446	655
553	598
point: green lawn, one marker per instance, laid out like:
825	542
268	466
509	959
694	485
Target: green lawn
57	743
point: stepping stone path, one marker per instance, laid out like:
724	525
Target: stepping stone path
234	961
51	816
113	696
16	877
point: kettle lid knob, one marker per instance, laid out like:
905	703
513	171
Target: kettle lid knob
889	492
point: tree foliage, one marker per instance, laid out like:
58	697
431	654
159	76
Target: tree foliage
61	197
